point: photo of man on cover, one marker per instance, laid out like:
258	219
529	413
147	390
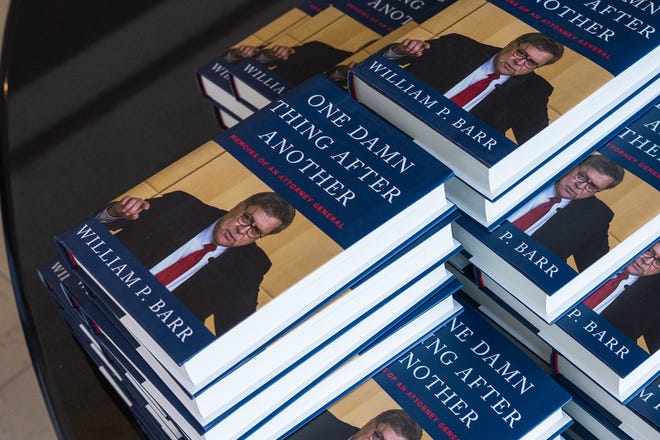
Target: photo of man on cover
567	217
206	256
498	85
629	299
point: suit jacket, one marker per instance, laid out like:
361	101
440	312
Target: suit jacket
520	104
226	287
579	229
635	311
324	426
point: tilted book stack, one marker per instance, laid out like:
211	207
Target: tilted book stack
361	203
556	275
538	100
346	31
463	381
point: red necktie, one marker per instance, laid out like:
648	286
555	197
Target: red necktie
178	268
534	214
467	94
605	290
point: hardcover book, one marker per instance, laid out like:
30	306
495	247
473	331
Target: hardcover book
465	380
490	213
600	412
597	215
347	174
328	40
225	118
509	85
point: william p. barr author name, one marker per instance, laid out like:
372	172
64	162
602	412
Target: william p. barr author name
131	282
447	117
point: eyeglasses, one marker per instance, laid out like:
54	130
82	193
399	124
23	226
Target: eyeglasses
253	231
650	254
376	435
520	54
589	186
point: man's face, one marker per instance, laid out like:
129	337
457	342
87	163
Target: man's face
645	265
244	225
581	182
379	432
519	59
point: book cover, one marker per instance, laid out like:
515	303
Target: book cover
328	40
464	380
543	72
602	211
617	322
344	170
490	213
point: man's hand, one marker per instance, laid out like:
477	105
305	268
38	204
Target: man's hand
128	208
241	52
340	73
277	53
409	47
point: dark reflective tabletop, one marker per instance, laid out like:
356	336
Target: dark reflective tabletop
98	96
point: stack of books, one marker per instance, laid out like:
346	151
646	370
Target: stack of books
333	230
596	412
588	292
588	310
553	155
356	231
213	78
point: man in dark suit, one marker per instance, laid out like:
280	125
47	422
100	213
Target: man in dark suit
567	218
630	299
224	279
392	424
504	92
